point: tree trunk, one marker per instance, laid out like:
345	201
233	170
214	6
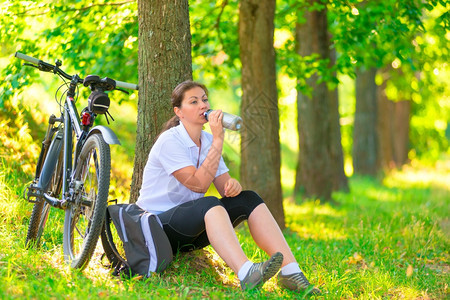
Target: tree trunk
393	127
401	141
164	61
385	128
340	181
365	137
317	114
260	141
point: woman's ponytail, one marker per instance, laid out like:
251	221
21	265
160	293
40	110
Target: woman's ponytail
174	121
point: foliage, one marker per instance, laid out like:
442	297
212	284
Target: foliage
215	50
391	36
100	37
406	40
79	33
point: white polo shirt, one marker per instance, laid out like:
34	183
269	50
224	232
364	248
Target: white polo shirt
173	150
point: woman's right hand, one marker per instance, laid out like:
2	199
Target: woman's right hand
215	123
199	179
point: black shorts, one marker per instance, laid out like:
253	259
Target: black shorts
185	224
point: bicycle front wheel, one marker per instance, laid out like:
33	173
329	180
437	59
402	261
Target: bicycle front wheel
86	212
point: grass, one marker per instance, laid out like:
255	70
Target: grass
386	239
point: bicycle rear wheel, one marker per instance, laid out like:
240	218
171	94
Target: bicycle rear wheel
41	208
85	213
112	244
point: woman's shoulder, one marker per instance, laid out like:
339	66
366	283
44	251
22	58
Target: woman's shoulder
169	138
166	134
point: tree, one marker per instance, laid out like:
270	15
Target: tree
393	126
371	36
164	61
320	165
339	178
365	137
260	141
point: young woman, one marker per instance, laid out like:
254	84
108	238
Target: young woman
181	166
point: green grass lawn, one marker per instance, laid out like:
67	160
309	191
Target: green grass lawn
383	240
386	239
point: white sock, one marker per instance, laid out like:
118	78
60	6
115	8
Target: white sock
290	269
244	270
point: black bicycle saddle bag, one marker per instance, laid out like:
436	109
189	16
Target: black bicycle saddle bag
98	102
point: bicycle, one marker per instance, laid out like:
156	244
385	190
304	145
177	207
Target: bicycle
74	165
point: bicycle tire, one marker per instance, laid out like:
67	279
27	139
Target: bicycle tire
111	244
85	213
41	208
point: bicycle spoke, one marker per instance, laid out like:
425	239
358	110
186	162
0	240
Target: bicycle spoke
96	164
79	232
86	164
89	174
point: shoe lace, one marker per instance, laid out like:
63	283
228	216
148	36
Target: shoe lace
300	280
254	268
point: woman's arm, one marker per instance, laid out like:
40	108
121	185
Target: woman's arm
227	186
199	180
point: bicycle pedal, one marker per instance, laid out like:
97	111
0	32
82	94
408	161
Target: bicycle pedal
31	192
29	199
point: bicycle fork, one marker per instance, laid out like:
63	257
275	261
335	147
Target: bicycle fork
49	154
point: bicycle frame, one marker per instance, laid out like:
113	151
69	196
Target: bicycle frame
77	177
72	124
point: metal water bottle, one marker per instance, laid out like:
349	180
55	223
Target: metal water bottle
229	121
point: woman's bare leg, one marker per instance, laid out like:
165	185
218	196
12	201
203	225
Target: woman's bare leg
223	238
267	234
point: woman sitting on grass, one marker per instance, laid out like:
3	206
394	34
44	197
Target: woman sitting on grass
181	166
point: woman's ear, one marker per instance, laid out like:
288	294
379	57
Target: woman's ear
178	112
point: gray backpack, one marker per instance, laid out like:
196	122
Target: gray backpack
146	246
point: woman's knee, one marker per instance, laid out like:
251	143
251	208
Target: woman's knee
210	202
241	206
252	198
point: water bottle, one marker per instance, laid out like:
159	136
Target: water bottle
228	121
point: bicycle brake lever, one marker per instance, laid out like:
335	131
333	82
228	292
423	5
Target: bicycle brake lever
123	91
30	65
39	67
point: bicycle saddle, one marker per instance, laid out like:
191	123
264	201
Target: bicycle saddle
94	81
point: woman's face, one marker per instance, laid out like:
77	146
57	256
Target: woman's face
193	106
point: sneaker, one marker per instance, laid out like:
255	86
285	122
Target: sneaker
297	282
261	272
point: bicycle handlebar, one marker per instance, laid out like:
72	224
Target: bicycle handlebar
126	85
27	58
46	67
